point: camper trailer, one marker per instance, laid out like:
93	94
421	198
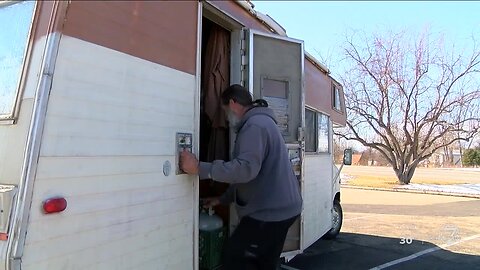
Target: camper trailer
96	101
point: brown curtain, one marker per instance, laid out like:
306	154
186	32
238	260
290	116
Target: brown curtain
215	79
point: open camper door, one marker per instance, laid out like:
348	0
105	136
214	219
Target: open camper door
275	73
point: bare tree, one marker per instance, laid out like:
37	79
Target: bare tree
404	96
338	147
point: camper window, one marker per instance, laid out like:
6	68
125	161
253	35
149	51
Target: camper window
310	131
317	131
337	105
16	20
275	92
323	133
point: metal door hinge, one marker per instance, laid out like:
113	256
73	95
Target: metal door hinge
243	56
301	134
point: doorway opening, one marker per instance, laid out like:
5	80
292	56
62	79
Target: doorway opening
214	127
214	138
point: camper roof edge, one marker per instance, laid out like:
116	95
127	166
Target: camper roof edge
264	19
316	62
8	2
277	28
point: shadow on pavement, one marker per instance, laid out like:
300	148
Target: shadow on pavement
359	251
469	209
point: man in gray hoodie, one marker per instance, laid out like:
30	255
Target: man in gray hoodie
263	186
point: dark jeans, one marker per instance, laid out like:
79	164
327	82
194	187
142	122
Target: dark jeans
256	244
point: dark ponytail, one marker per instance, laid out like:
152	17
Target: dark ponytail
240	95
260	103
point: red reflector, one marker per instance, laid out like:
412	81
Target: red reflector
54	205
3	236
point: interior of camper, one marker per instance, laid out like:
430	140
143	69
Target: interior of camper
214	128
214	137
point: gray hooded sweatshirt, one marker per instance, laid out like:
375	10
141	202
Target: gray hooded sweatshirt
262	183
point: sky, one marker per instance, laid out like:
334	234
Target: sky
323	24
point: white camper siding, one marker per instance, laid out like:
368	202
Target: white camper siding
110	126
317	197
13	137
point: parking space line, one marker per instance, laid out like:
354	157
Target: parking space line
362	217
288	267
421	253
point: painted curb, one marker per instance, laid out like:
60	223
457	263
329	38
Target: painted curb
475	196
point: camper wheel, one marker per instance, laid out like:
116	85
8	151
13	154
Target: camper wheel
337	220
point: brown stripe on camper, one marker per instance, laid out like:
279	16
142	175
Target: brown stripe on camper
49	17
318	92
317	85
42	18
164	32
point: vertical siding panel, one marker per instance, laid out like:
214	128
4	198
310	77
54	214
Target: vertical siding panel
110	127
318	196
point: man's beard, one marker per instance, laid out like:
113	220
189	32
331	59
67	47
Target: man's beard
232	119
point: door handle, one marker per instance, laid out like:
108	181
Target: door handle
184	142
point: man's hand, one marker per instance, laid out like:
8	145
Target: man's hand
210	202
188	162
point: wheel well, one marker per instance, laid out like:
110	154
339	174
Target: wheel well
337	197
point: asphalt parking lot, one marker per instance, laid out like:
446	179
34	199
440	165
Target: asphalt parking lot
397	230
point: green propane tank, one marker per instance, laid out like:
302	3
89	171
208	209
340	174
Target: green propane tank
209	221
212	235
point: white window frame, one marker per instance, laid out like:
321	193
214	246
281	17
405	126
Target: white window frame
11	111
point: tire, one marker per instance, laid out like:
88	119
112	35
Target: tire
337	220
